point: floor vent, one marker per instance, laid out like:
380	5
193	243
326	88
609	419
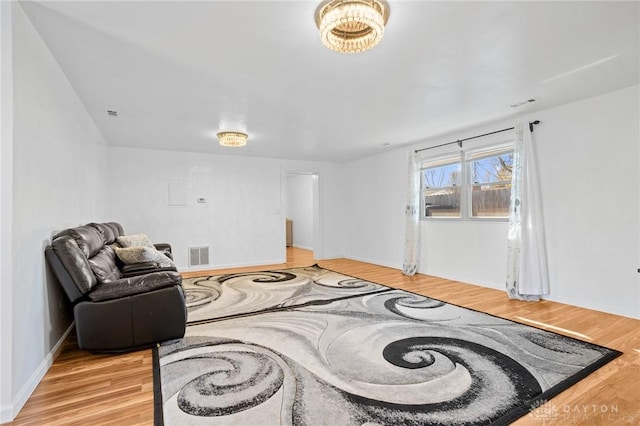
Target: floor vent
198	255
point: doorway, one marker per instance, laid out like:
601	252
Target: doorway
300	198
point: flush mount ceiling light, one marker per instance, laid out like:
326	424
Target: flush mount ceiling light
232	139
349	26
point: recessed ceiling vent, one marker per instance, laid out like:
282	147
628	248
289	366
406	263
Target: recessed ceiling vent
112	113
528	101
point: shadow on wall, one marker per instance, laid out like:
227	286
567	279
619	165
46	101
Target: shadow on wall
59	308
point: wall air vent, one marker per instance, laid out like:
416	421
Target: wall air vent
198	256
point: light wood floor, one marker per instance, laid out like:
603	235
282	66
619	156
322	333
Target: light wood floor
88	389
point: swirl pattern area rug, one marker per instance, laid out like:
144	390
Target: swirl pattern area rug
308	346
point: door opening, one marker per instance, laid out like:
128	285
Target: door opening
301	206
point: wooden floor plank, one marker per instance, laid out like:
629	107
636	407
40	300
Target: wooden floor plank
82	388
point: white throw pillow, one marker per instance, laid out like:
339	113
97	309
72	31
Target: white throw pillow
134	240
141	254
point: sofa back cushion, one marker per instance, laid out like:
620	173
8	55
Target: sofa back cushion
104	267
75	263
117	228
109	230
88	239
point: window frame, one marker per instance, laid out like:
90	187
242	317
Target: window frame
466	157
442	160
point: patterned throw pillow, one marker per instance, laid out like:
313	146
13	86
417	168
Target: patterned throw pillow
141	254
134	240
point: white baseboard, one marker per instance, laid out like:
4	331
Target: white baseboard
451	277
6	413
303	247
25	392
466	280
585	304
595	306
375	262
231	265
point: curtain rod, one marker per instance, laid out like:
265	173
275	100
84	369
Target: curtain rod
459	141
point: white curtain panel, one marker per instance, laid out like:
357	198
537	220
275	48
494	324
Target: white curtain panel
412	218
527	272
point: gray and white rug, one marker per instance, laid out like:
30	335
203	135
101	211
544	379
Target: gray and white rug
308	346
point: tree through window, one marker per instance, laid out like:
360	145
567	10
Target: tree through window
441	181
491	182
475	184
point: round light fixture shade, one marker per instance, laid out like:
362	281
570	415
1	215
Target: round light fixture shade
349	26
232	139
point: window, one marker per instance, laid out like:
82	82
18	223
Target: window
490	173
473	184
441	181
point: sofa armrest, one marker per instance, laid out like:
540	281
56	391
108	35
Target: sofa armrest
131	322
164	248
134	285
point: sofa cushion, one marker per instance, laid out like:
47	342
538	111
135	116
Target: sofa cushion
75	263
88	238
143	268
135	240
108	236
103	265
140	254
134	285
116	227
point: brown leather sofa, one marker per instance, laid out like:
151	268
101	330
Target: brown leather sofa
116	307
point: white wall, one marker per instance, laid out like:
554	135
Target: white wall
473	251
6	191
590	179
243	218
58	182
588	155
299	208
374	213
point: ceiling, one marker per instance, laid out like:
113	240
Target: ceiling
178	72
